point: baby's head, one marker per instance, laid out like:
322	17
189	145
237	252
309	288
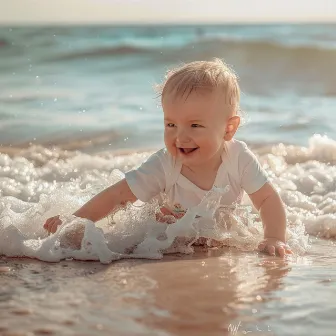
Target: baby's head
203	77
200	102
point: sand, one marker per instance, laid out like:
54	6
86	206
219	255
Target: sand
214	292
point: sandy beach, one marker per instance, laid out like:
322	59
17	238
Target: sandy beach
213	292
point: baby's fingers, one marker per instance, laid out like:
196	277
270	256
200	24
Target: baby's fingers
52	223
265	247
271	250
47	223
262	246
281	251
288	250
274	247
55	224
165	219
166	212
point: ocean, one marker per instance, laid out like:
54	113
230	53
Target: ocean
78	109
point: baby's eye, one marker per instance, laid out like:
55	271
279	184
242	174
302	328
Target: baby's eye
196	125
170	125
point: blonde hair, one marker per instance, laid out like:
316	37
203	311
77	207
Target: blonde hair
201	75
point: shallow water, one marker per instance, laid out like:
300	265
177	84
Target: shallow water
218	292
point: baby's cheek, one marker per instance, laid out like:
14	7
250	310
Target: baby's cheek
172	150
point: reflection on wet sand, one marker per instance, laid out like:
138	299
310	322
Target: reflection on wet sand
217	292
208	293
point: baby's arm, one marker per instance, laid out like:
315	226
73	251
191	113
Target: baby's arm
100	205
272	212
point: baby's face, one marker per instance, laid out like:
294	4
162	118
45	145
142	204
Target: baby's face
195	128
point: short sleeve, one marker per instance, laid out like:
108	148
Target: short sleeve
148	180
253	176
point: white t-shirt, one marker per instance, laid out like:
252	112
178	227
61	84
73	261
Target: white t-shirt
240	170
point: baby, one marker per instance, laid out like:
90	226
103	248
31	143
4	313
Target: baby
200	103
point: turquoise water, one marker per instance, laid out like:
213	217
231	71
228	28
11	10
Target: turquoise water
69	82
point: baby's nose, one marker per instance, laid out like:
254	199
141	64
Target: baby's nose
182	138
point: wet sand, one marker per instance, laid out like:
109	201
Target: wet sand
214	292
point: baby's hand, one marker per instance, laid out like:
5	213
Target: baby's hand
167	216
273	246
52	223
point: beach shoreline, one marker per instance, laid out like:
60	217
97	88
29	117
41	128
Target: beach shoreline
214	291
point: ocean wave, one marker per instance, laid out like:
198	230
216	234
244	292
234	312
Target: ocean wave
260	64
263	66
120	50
253	52
269	44
243	47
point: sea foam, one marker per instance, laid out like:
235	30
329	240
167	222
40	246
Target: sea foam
40	183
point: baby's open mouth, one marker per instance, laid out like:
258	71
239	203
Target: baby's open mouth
187	150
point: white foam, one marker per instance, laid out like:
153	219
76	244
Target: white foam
41	183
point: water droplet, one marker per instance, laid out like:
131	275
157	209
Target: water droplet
55	99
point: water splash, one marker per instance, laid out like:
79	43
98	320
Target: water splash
40	183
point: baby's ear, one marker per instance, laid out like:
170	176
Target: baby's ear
231	127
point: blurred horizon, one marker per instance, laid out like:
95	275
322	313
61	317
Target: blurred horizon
164	12
160	24
157	24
